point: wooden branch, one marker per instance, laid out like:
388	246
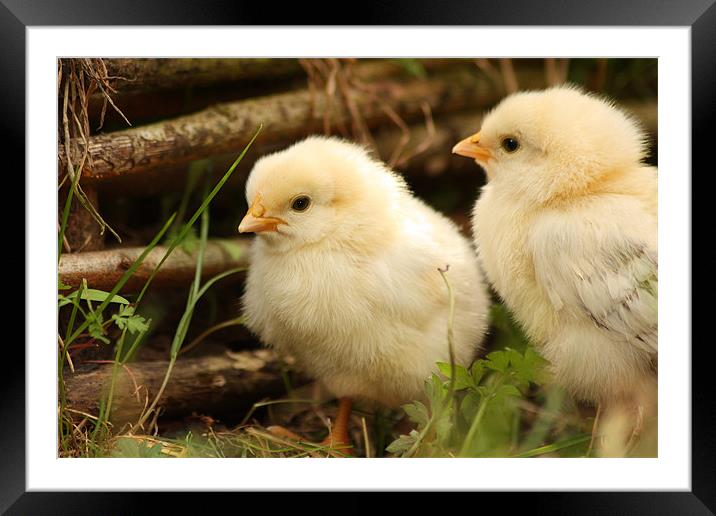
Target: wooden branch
102	269
227	127
157	73
146	74
142	106
435	156
214	384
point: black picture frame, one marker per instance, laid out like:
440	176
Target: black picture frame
699	15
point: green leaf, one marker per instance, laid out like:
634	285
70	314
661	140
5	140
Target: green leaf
61	285
469	405
126	318
538	366
530	367
91	294
403	443
477	371
483	390
444	368
508	390
417	412
132	324
95	328
444	427
462	377
498	361
435	389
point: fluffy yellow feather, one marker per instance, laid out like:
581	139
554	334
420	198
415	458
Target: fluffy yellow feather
344	272
566	231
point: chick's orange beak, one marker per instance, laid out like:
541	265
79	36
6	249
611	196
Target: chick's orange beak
470	148
255	222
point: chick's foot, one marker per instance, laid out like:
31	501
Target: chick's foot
338	441
338	436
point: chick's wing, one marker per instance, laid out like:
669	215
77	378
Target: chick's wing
604	268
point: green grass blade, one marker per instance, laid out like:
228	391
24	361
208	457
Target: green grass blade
73	314
203	238
185	229
125	277
183	328
65	217
550	448
216	278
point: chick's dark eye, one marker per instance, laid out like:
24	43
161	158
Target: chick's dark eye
301	203
510	144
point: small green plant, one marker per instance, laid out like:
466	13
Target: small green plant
479	411
485	416
94	324
481	417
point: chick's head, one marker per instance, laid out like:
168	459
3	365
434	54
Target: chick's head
554	143
320	189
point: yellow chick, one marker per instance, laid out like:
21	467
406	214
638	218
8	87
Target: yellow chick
566	231
344	275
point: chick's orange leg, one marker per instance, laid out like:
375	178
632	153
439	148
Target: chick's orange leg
338	436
